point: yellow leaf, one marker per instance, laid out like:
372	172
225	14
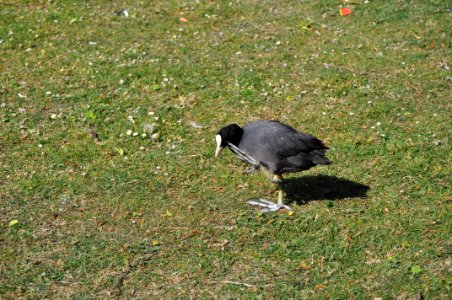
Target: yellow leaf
120	151
13	222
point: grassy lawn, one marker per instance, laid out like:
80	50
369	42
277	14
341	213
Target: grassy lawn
109	187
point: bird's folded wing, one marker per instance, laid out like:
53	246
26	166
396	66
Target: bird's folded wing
292	145
243	155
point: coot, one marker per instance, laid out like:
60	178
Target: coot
274	147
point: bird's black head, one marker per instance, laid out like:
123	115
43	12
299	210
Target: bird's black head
228	134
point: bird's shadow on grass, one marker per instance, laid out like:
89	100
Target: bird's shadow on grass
322	187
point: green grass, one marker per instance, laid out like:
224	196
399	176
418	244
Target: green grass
131	217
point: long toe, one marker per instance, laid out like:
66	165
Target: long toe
269	206
284	207
262	203
252	169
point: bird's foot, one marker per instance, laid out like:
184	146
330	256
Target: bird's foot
252	169
269	206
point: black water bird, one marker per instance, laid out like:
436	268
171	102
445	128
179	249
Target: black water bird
274	147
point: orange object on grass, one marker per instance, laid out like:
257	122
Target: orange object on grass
345	11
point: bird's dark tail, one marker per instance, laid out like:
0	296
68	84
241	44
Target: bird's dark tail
318	157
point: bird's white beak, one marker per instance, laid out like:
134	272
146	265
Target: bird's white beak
219	148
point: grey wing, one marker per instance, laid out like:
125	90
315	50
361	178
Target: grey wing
243	155
298	142
280	139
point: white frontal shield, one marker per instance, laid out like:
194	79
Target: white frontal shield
219	148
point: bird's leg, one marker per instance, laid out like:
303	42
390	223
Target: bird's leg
278	179
268	205
280	197
270	176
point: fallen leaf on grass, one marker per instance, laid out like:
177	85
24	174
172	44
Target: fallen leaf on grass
345	11
120	151
190	234
13	222
416	269
220	244
90	115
